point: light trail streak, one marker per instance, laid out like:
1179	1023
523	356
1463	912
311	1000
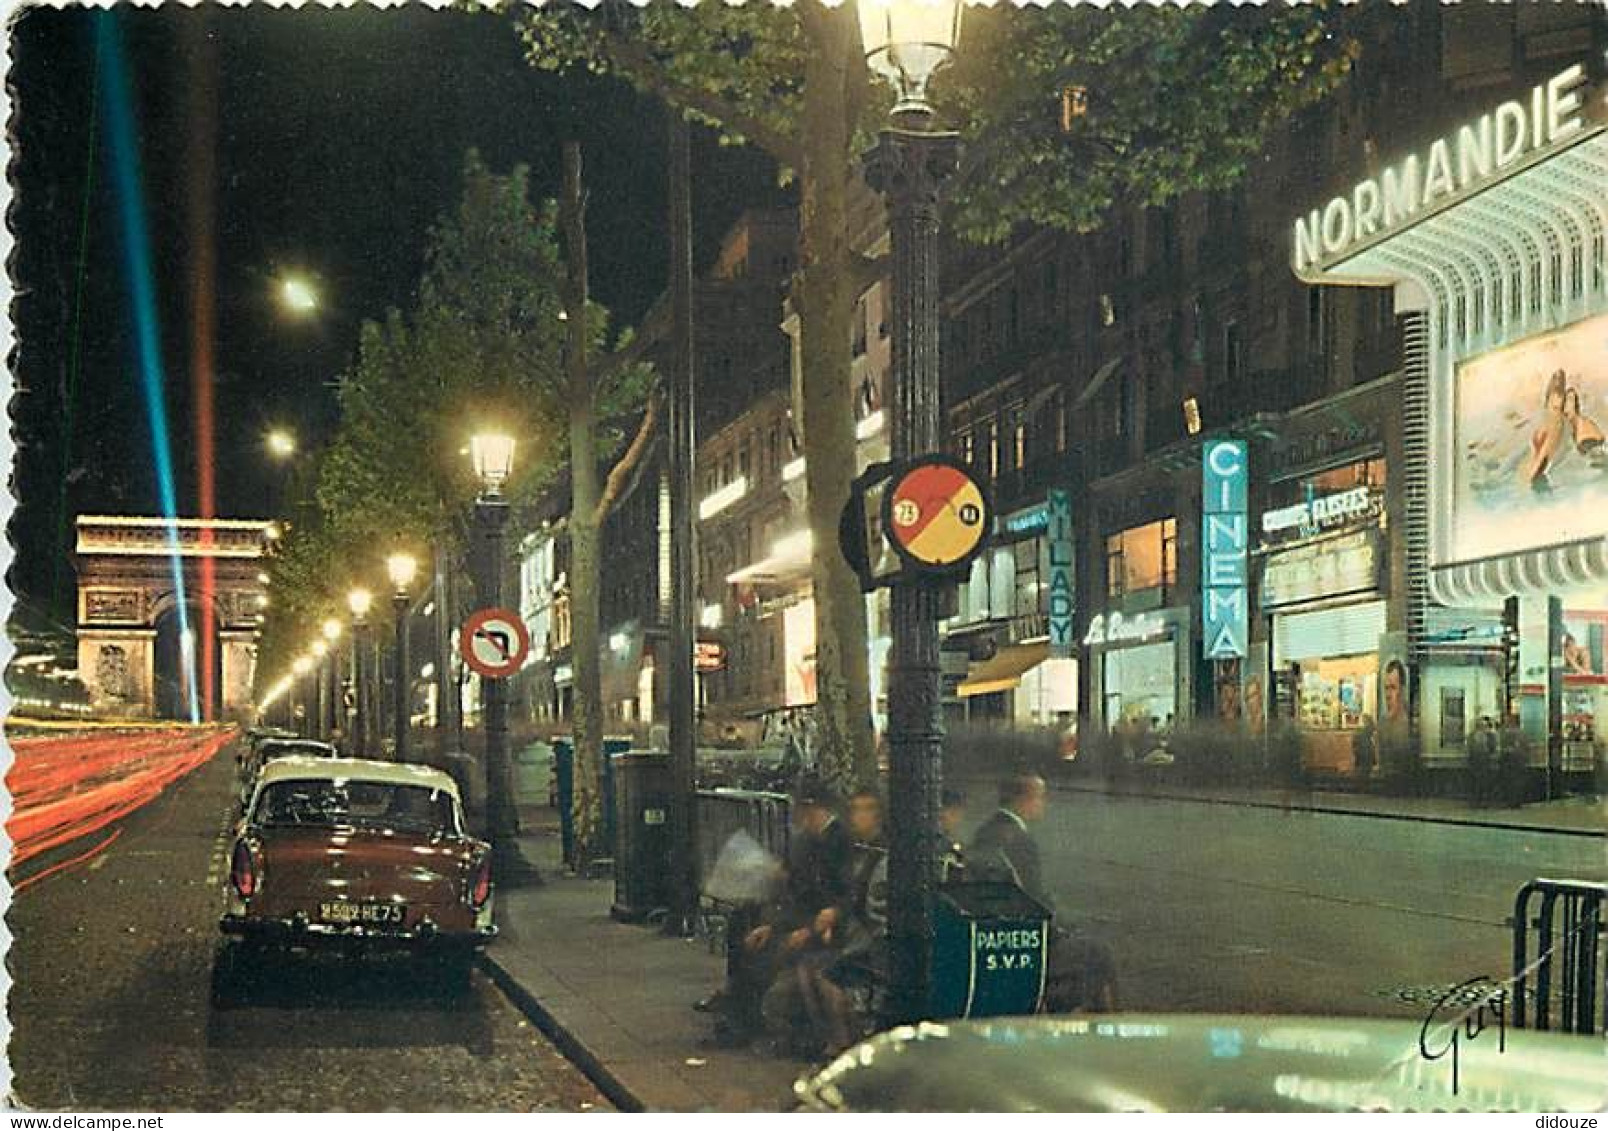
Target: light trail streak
123	153
203	68
69	787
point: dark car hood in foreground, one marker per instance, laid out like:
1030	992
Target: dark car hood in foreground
1199	1063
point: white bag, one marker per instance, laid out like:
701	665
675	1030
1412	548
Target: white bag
744	872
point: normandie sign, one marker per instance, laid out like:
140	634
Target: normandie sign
1478	151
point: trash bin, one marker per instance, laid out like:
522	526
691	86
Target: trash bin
564	795
564	772
991	947
642	831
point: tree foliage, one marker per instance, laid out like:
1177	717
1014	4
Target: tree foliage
483	345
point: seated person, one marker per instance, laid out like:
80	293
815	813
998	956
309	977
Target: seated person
817	879
841	946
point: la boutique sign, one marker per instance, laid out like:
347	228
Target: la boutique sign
1452	164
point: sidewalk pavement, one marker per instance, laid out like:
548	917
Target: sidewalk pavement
617	997
1569	816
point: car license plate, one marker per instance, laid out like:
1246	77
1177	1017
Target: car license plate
339	912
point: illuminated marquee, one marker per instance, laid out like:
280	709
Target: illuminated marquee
1452	164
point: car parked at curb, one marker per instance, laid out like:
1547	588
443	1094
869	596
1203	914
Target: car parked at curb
271	748
358	857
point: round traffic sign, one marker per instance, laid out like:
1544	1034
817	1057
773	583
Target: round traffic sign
494	642
935	513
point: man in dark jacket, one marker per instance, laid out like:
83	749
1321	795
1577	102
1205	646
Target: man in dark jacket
1003	848
1081	971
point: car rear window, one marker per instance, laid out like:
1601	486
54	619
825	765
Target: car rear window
346	801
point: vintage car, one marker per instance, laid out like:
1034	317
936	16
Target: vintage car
358	856
1130	1062
268	748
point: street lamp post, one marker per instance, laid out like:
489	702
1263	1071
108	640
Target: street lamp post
331	630
300	667
359	602
320	654
493	455
906	42
401	568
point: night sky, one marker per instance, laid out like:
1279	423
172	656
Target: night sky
340	138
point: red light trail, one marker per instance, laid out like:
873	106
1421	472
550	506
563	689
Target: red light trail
68	787
203	67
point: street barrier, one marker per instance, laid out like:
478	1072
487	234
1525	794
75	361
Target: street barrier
1568	968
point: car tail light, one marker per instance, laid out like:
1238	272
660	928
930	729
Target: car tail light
243	871
480	885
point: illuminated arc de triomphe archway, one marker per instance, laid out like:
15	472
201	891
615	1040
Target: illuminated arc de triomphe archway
128	605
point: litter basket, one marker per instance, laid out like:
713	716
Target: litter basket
564	771
991	948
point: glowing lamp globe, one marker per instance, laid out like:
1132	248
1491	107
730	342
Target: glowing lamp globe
401	568
906	41
493	456
359	601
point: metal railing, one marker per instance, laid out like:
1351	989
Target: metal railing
1568	967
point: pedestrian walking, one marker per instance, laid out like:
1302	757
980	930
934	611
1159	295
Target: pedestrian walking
1482	759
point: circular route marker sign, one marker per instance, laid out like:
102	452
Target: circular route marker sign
494	642
935	514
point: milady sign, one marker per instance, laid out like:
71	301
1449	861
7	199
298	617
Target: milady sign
1451	165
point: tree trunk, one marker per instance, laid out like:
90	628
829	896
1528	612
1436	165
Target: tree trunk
584	610
824	297
447	739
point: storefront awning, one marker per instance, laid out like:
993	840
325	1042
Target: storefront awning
1004	669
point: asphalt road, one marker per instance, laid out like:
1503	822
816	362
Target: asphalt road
111	1009
1215	907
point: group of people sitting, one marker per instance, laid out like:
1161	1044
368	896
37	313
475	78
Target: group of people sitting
808	965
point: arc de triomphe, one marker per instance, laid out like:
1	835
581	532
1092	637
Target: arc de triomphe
126	586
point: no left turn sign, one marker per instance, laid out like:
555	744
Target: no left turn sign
494	643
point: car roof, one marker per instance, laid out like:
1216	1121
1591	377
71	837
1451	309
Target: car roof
295	744
301	767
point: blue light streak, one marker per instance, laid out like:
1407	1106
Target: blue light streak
123	153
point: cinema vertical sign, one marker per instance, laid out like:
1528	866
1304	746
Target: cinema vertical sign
1225	541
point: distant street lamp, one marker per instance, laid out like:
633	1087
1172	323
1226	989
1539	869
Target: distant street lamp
359	601
401	568
281	443
297	295
906	41
300	666
493	456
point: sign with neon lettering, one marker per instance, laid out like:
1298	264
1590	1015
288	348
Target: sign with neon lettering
1058	544
1224	614
1452	164
1119	629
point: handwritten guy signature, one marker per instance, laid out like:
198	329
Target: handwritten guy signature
1479	1002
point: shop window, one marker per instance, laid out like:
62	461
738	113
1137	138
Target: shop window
1143	558
1031	598
1231	353
1453	731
